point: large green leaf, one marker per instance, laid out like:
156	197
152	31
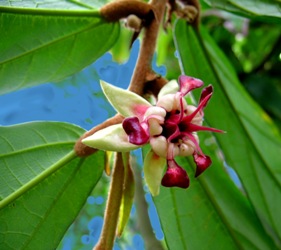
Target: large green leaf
58	4
261	9
212	213
252	144
43	184
39	46
22	147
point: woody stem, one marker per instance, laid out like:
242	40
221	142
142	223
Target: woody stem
107	237
143	66
142	72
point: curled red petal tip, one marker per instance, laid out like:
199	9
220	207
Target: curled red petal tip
188	83
206	92
175	176
136	133
202	163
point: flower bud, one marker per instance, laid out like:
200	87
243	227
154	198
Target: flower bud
133	22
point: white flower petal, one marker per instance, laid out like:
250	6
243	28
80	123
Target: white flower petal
187	148
171	87
112	138
154	127
159	145
153	171
155	112
166	102
125	102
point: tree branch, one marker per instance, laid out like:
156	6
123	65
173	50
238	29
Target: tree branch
143	79
107	237
143	70
117	10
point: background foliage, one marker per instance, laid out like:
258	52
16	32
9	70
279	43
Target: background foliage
45	184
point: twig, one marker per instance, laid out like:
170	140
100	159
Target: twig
107	237
117	10
143	77
144	80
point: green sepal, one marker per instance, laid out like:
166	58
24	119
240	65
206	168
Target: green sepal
127	197
124	101
112	138
153	171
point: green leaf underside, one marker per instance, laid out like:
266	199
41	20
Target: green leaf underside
40	217
29	57
252	144
211	214
49	4
41	214
261	9
29	149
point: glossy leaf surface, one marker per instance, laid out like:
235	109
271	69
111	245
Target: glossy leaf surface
212	213
261	9
22	148
70	41
47	183
58	4
252	143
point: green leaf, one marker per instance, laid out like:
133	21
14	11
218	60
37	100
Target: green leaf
71	40
22	147
252	143
58	4
43	183
256	48
212	213
260	9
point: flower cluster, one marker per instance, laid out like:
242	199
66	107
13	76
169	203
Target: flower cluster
170	127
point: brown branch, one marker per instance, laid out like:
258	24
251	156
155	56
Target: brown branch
143	67
153	86
117	10
143	77
185	9
107	237
196	4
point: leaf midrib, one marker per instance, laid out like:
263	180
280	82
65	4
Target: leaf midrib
172	191
50	12
239	119
47	44
57	198
37	179
25	150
